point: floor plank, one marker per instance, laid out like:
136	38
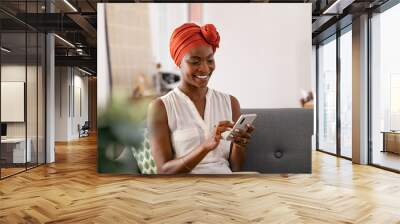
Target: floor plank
71	191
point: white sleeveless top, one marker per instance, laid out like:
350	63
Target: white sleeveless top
189	130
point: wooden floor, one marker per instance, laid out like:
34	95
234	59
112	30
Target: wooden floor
387	159
70	191
5	172
10	171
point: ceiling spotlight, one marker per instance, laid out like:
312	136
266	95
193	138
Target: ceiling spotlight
5	50
80	51
337	7
70	5
64	40
84	71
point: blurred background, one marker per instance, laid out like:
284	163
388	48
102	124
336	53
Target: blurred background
259	62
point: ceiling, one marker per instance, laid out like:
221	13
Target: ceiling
76	22
77	25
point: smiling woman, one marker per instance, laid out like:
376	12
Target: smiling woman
186	124
198	71
198	64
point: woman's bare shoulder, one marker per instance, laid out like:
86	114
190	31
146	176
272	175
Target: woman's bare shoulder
234	101
156	106
235	108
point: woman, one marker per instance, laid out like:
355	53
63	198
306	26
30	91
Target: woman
186	124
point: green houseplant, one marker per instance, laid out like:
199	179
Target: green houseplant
121	126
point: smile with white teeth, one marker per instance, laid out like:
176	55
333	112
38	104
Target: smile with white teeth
202	76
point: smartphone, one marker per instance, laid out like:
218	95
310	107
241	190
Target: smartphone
241	123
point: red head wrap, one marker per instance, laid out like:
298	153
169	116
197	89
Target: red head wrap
190	35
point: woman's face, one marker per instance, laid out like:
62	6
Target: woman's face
197	66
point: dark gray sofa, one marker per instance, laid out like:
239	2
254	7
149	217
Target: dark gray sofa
281	142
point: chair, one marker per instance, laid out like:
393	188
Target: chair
84	130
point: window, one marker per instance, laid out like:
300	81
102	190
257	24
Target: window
346	93
385	88
22	66
394	101
327	96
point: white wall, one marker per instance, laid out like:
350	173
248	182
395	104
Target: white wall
34	125
164	18
103	91
68	81
80	83
258	61
61	103
17	73
264	57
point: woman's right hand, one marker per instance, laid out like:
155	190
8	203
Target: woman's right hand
212	142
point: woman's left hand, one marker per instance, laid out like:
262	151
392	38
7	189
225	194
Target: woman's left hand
242	137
